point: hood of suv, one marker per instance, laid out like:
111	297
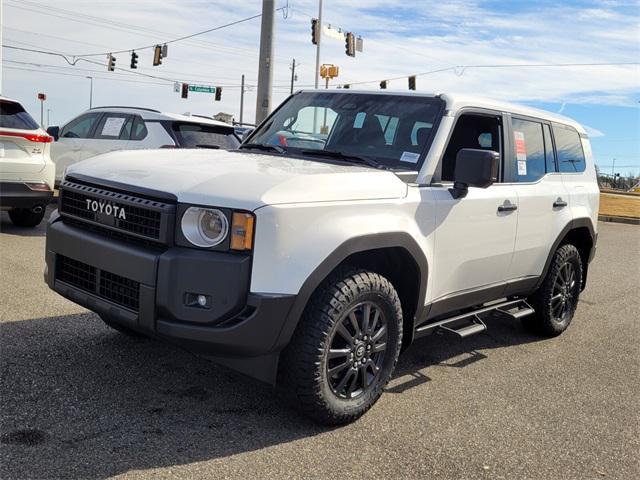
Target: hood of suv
241	180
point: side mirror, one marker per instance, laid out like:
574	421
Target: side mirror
54	132
474	168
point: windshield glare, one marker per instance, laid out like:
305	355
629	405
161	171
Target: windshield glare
390	129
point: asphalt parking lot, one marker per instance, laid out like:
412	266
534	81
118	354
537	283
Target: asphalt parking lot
81	401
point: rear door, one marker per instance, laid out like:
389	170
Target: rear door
112	133
542	197
22	143
67	149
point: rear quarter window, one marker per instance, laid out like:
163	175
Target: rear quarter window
569	149
12	115
198	135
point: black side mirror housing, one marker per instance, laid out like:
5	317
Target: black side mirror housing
54	132
474	168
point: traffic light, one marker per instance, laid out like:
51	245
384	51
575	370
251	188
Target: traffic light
412	82
185	90
383	84
315	31
157	56
111	65
134	60
218	94
350	44
165	50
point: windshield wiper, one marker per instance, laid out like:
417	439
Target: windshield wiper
344	156
201	145
262	146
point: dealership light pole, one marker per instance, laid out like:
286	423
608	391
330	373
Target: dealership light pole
265	63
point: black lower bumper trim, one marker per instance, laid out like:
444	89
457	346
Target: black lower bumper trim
19	195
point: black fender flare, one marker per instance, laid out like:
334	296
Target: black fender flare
342	252
573	224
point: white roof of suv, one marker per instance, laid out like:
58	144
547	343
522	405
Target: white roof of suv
150	114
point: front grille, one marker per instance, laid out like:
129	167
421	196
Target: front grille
107	285
136	217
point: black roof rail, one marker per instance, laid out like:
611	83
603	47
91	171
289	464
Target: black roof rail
132	108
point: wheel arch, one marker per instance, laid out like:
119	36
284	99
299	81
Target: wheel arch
580	233
395	255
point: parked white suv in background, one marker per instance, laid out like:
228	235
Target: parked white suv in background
105	129
347	225
26	170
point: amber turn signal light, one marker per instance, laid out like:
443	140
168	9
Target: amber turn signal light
242	231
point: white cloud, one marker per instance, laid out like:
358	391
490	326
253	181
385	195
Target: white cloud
399	39
593	132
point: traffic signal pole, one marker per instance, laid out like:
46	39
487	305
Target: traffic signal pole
318	44
242	99
265	65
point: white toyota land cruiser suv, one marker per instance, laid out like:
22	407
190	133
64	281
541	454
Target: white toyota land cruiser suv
347	225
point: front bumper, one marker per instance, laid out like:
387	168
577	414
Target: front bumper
152	291
19	195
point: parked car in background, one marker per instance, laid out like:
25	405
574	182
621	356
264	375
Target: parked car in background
26	169
106	129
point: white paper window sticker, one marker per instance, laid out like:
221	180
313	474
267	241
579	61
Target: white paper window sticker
409	157
112	127
522	167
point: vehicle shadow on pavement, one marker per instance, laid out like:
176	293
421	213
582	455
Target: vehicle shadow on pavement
6	227
80	400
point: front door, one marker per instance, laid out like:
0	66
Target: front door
474	235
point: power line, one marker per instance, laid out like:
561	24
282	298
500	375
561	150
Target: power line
460	69
178	39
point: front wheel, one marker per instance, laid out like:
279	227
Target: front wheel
345	348
556	300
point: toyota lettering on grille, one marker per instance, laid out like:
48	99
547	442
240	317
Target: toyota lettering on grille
106	208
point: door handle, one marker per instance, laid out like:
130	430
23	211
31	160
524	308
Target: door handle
507	207
559	203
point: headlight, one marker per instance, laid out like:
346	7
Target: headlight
204	227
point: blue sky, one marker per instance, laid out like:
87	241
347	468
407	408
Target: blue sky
400	38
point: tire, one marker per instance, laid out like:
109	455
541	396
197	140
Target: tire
23	217
556	300
121	328
345	347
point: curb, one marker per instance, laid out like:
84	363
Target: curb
614	219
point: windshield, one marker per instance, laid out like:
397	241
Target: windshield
198	135
392	130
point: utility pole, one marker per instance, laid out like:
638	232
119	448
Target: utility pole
241	99
1	28
265	65
91	93
318	44
293	74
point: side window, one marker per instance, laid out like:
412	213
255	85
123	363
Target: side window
80	127
114	126
529	151
569	148
139	129
471	131
550	156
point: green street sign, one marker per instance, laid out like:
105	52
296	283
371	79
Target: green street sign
202	89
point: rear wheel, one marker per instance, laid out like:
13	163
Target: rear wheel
23	217
556	300
345	348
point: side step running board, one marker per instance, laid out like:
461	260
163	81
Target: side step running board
471	323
